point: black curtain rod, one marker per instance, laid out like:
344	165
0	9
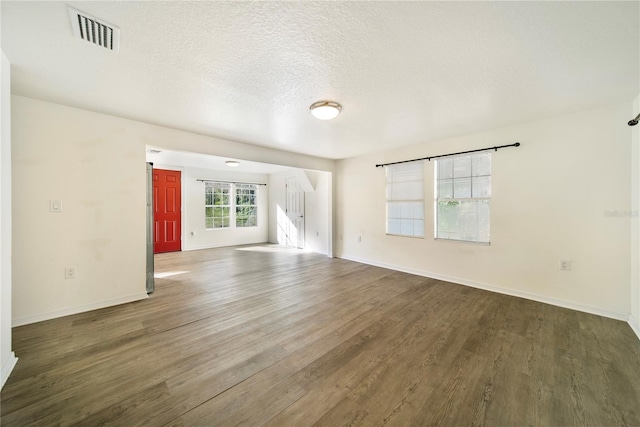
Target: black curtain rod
230	182
517	144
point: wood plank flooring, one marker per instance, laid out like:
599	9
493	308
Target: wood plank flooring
263	335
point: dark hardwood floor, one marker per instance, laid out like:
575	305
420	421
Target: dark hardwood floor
269	336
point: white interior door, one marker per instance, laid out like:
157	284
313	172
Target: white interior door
295	213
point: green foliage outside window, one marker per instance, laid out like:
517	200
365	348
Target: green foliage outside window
219	205
246	209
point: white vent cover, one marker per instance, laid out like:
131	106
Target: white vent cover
94	30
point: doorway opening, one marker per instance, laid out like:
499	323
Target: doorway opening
309	199
295	213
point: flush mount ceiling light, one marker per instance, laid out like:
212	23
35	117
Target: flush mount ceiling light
232	163
325	110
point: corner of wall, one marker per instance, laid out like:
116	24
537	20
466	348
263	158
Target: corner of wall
7	366
634	288
635	324
6	353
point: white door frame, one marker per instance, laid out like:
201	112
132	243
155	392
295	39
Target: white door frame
295	213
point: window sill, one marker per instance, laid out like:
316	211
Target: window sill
440	239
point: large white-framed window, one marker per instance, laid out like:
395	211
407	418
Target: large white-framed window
405	199
217	205
463	198
229	205
246	205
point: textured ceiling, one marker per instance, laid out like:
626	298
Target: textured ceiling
404	72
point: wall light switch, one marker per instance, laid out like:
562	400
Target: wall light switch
55	205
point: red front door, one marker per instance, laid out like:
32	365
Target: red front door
166	211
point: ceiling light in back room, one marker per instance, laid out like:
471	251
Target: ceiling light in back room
325	110
232	163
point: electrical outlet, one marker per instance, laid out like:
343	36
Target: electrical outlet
565	264
69	272
55	205
359	239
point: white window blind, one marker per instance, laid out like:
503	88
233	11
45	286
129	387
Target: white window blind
463	196
405	199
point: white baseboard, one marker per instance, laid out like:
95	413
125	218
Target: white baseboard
635	324
7	366
498	289
187	248
20	321
199	248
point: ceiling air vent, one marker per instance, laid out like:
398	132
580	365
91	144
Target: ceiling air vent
94	30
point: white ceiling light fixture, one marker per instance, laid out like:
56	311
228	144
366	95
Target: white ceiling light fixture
232	163
325	110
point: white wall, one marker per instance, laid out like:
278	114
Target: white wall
7	356
91	164
193	210
550	202
634	318
318	221
277	205
317	208
94	163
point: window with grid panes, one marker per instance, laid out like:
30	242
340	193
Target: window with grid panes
405	199
246	205
463	198
217	204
